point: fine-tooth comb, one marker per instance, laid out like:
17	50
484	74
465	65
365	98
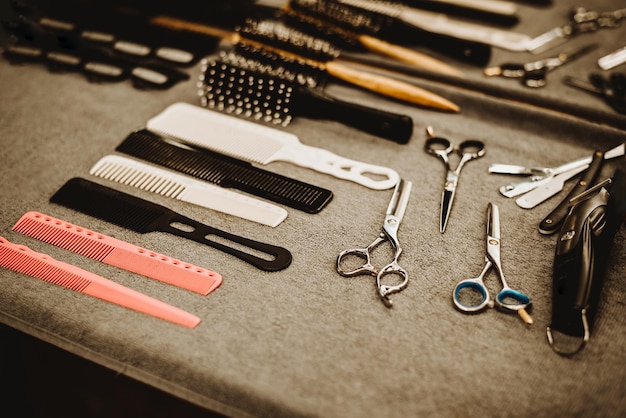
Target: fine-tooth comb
225	171
26	261
166	183
251	94
143	216
263	144
117	253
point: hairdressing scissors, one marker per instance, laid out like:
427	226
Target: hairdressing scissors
508	300
393	218
468	150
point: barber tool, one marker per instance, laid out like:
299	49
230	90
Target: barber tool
612	89
581	21
581	257
440	23
225	171
538	176
143	216
533	74
258	96
117	253
491	11
165	183
391	224
508	300
441	148
262	144
546	190
41	266
332	17
274	36
612	60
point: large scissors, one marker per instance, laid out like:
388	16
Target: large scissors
471	295
468	150
393	218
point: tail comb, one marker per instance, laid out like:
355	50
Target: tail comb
117	253
24	260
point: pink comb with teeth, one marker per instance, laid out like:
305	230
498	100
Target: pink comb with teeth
24	260
117	253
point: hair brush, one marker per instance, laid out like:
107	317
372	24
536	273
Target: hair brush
261	96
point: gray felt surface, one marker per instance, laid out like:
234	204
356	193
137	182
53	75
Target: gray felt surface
305	341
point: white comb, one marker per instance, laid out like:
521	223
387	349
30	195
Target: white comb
262	144
165	183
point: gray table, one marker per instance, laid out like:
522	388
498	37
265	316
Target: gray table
305	341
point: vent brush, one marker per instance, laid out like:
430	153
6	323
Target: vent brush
117	253
143	216
262	144
26	261
225	171
165	183
322	17
251	94
316	52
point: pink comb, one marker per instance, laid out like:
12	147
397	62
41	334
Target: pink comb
24	260
117	253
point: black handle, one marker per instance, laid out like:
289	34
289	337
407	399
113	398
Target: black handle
551	223
174	223
388	125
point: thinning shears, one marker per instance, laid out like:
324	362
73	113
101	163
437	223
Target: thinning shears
393	218
471	295
468	150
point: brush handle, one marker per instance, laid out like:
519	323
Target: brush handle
388	125
280	258
390	87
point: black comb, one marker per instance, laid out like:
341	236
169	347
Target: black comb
252	94
225	171
395	30
142	216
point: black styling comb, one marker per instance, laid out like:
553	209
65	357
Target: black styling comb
142	216
393	29
252	94
225	171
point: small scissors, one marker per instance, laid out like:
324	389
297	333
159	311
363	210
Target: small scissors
470	149
507	299
393	218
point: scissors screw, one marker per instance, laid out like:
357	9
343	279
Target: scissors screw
549	221
493	242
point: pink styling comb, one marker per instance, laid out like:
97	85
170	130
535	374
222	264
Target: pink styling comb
117	253
24	260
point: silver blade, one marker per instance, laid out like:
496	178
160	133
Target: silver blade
548	189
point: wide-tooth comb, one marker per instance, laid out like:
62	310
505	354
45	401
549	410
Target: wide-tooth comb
377	83
117	253
225	171
317	19
26	261
259	96
143	216
166	183
392	29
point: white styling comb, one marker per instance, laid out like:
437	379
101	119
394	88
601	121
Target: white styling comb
254	142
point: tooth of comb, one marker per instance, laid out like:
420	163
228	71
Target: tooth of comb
26	261
117	253
259	96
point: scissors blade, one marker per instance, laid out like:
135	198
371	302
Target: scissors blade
493	222
447	197
399	199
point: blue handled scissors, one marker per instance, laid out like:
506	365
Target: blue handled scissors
393	218
468	150
508	300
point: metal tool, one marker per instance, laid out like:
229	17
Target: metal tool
533	74
507	300
611	90
548	189
612	60
393	218
468	150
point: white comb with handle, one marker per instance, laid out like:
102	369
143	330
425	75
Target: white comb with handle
166	183
254	142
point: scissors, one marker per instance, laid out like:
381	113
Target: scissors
533	74
393	218
467	291
468	150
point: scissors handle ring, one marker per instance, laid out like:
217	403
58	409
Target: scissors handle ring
385	290
366	268
476	286
438	146
472	147
507	294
